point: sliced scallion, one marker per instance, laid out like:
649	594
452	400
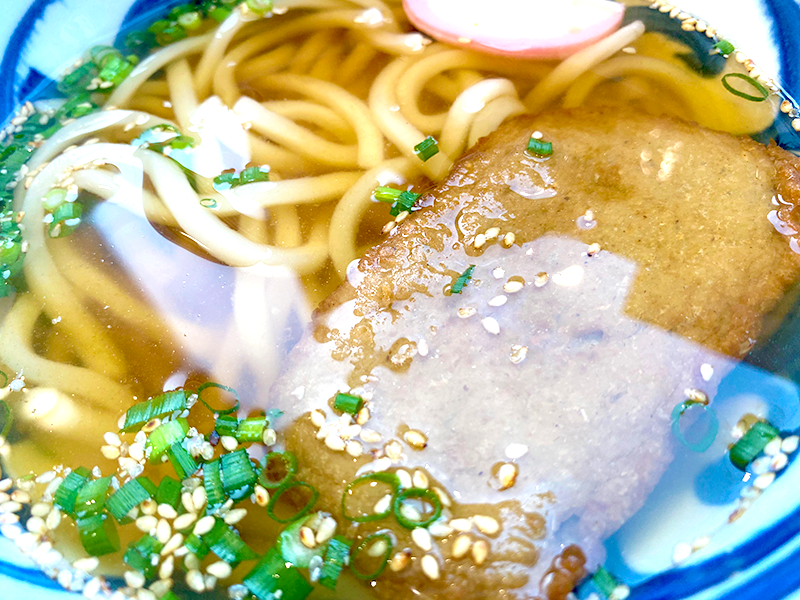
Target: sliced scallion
336	557
278	470
292	548
227	545
724	47
218	411
148	485
385	193
165	435
293	487
183	463
462	280
260	7
752	443
139	555
158	406
8	416
426	149
763	93
427	496
371	480
169	492
367	543
196	546
711	431
273	578
405	202
251	429
129	495
91	498
238	474
98	534
539	147
67	492
348	403
212	482
226	425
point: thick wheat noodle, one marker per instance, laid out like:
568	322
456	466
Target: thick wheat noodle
303	190
382	102
560	78
214	51
148	67
221	241
316	114
490	118
354	204
181	92
225	80
287	226
278	158
16	351
311	50
295	137
326	68
94	285
352	109
464	110
355	63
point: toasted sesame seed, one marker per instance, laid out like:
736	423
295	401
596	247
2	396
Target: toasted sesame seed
184	521
317	418
507	475
541	279
498	300
430	566
416	439
389	226
21	496
270	437
163	531
487	525
326	530
492	233
443	497
593	249
466	312
134	579
354	449
681	552
422	538
513	286
401	217
219	569
166	568
480	240
151	426
509	239
204	525
461	524
377	549
518	353
307	537
790	444
363	416
175	542
334	442
199	499
762	482
110	452
262	495
420	480
400	561
195	581
773	446
229	443
786	106
461	546
491	325
480	550
166	511
146	524
235	515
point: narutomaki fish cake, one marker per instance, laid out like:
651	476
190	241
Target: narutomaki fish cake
522	340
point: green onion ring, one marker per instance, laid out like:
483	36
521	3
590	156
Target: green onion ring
5	379
302	512
708	439
761	89
423	494
8	419
289	461
389	479
363	545
224	411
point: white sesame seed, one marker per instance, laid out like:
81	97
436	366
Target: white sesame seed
461	546
21	496
480	240
195	581
498	300
134	579
204	525
317	418
480	550
166	568
762	482
146	524
440	529
191	562
399	561
405	478
422	539
10	507
369	436
377	549
507	475
415	439
334	442
307	537
166	511
41	509
354	449
790	444
6	484
110	452
326	530
491	325
199	499
382	505
270	437
46	477
219	569
518	353
86	564
262	495
53	520
773	446
394	450
112	439
760	465
175	542
541	279
681	552
420	480
466	312
235	515
485	524
184	521
443	497
229	443
35	525
461	524
430	566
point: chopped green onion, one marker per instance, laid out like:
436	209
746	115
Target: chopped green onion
208	203
183	463
416	493
336	557
212	482
227	545
426	149
711	431
254	175
158	406
462	280
602	584
148	485
278	494
8	416
220	411
367	543
724	47
752	443
539	147
196	546
238	474
54	198
372	480
169	492
286	471
190	20
91	498
260	7
226	425
386	194
98	535
251	429
126	498
67	492
404	203
763	93
139	555
170	595
273	578
292	548
165	435
348	403
66	219
219	13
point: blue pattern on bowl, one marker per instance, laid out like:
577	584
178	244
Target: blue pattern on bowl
766	567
